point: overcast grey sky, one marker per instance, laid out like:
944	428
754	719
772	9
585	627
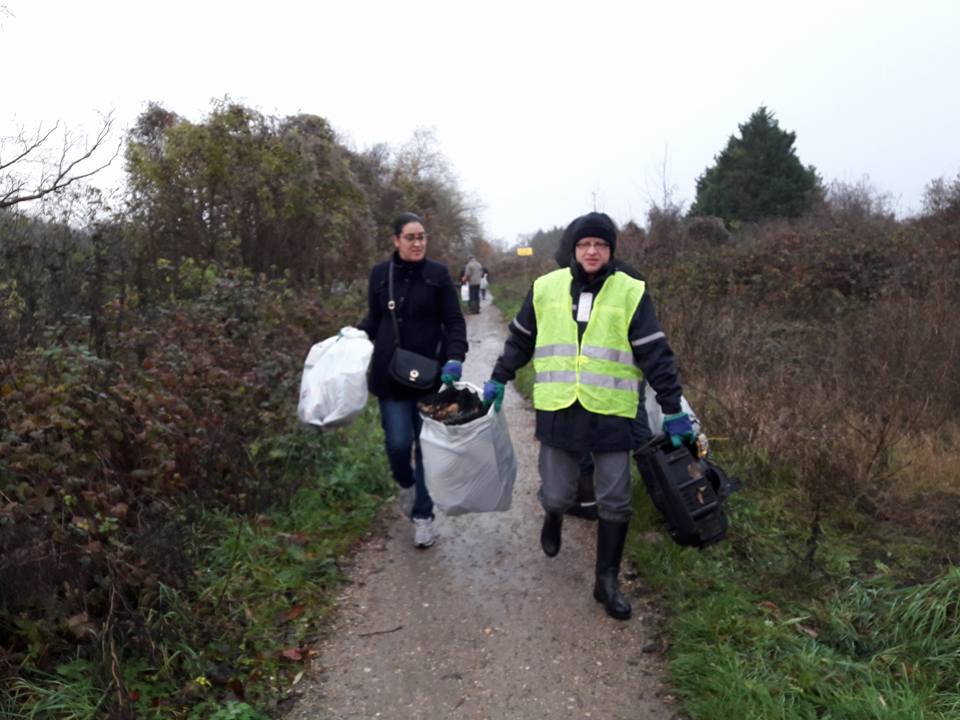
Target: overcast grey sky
543	107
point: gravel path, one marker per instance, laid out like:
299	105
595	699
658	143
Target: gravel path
483	625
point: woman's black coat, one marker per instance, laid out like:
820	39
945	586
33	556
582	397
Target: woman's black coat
428	313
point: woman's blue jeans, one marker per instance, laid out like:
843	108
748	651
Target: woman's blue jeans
401	428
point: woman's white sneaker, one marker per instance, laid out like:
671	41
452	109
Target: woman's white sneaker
423	533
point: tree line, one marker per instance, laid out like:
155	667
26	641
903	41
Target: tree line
281	197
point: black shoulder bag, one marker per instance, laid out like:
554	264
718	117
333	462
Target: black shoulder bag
409	368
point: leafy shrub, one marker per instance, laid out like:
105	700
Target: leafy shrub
109	464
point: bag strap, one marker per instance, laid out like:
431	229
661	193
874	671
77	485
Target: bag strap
392	306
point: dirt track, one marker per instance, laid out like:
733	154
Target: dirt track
483	624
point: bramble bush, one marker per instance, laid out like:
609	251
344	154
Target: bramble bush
110	461
821	354
827	345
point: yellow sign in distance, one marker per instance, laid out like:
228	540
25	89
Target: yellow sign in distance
524	251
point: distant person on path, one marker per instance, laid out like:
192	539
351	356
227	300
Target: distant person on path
593	335
431	323
473	271
484	282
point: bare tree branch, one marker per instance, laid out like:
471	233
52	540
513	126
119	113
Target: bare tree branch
29	147
71	166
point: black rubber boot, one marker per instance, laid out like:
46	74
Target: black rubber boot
550	535
611	537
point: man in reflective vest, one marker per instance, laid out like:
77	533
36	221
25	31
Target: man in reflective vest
593	335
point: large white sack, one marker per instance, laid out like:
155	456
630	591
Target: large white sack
655	414
465	292
333	387
469	468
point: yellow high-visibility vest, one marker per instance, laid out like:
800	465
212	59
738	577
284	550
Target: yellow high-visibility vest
599	371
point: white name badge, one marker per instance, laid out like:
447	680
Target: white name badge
584	306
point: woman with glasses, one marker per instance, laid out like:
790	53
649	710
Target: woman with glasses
593	336
427	311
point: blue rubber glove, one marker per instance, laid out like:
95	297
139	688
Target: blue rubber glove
493	394
451	372
679	428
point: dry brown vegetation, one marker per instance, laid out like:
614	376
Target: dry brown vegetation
828	348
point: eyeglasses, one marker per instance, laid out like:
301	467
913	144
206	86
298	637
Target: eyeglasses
420	238
593	245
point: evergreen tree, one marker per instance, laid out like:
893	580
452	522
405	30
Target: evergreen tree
758	175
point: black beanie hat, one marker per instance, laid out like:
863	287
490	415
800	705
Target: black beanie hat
594	224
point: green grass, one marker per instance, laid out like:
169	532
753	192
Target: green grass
271	579
262	585
68	695
752	635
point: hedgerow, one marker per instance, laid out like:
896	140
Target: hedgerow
114	464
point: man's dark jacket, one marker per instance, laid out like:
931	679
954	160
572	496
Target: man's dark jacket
564	255
428	314
576	428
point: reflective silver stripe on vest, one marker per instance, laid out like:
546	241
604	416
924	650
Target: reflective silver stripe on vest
605	381
562	349
608	354
566	376
556	376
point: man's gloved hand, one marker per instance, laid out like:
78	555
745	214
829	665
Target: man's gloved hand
493	394
451	372
679	428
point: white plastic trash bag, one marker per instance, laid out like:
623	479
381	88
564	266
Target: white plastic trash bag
469	468
655	413
465	292
333	388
